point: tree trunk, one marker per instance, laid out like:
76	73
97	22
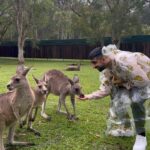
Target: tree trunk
21	41
21	22
115	38
20	54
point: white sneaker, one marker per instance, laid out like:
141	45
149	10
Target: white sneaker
140	143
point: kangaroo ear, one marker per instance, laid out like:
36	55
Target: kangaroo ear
36	80
71	82
75	79
25	71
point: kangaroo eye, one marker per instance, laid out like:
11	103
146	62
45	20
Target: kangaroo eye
40	86
76	89
17	80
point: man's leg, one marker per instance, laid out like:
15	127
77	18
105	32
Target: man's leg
139	116
123	107
111	114
120	102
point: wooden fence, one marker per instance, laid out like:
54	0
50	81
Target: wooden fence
70	49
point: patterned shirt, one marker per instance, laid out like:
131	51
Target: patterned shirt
131	67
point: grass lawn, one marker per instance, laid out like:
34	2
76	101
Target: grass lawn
88	133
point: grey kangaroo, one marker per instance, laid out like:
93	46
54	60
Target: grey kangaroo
60	85
40	92
15	104
73	67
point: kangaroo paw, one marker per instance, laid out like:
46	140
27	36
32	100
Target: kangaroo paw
61	112
21	125
45	116
70	117
32	119
76	118
37	133
24	122
73	117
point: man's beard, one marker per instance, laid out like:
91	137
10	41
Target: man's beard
100	68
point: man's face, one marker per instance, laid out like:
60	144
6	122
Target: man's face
100	63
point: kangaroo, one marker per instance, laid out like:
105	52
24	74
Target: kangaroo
15	104
73	67
40	92
60	85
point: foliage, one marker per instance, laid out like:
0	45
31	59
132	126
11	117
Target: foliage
75	19
6	19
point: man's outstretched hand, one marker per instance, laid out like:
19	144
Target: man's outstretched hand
83	97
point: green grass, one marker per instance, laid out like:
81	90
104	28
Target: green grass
88	133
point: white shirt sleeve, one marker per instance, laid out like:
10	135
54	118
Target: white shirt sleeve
105	86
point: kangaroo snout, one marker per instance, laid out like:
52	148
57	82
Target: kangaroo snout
81	95
45	91
9	87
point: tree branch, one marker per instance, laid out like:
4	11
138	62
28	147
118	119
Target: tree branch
78	14
4	30
109	6
3	11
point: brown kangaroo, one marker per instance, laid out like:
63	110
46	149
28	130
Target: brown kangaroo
14	105
60	85
73	67
40	92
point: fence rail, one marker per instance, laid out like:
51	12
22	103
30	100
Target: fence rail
71	49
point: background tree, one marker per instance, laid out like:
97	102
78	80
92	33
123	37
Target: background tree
123	17
5	17
22	15
73	19
145	18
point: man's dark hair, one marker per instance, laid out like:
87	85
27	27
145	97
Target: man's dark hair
96	52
